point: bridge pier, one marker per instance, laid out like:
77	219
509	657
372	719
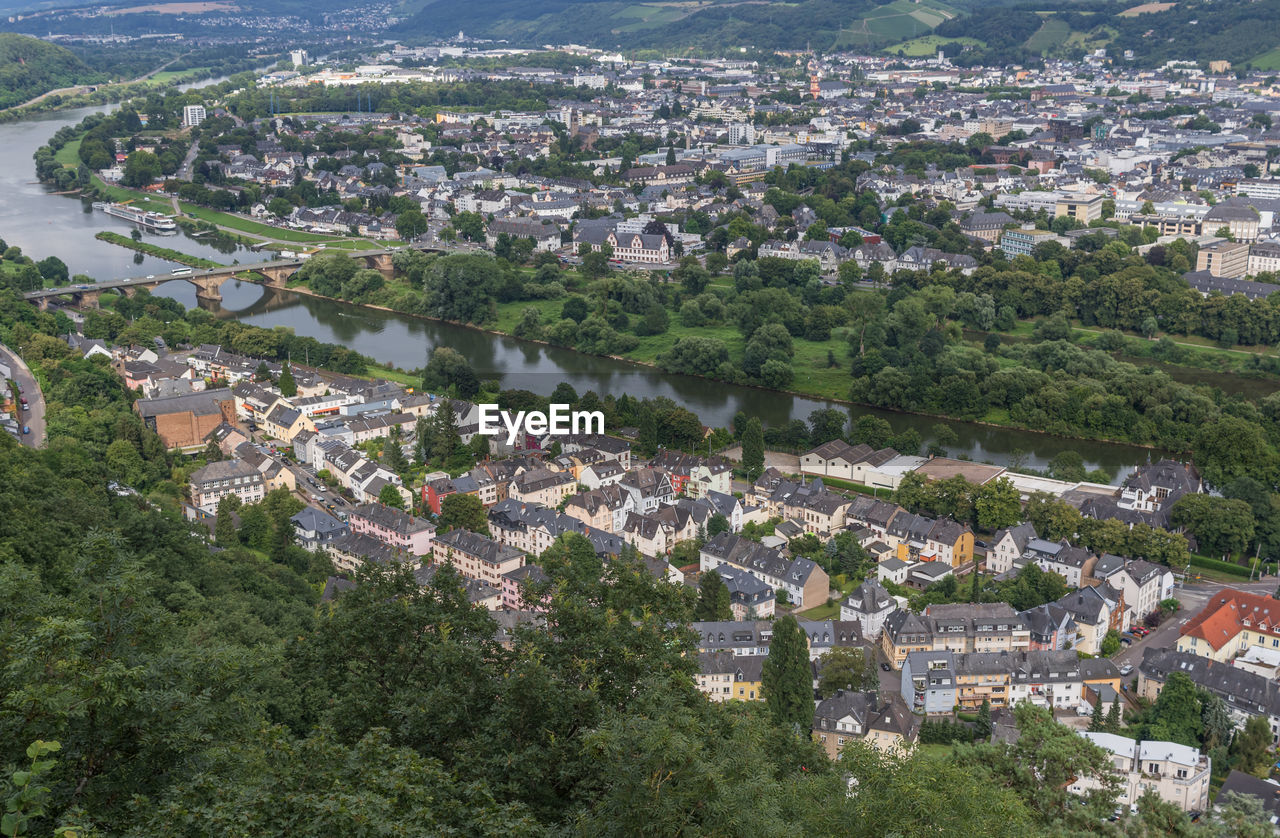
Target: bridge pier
208	289
86	299
381	262
277	277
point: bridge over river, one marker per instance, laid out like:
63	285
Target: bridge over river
208	281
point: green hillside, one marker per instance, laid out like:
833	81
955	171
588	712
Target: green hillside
970	31
29	67
707	24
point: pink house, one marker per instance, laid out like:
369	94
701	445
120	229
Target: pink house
393	527
513	589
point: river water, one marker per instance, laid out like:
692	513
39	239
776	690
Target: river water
45	224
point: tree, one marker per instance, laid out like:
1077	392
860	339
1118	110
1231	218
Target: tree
288	387
390	496
713	598
998	504
847	669
447	370
280	207
224	531
785	680
1221	525
717	524
1176	714
1096	721
1110	643
753	448
1113	722
140	169
410	224
1250	749
982	727
463	512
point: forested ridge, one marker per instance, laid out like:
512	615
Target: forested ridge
29	67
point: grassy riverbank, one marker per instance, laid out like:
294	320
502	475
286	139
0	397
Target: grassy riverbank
165	253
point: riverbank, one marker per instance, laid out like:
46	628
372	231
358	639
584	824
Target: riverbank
301	288
159	252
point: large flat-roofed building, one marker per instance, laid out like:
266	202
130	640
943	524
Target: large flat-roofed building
1083	208
1224	259
1177	774
185	421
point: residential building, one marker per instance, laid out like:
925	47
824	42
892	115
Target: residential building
193	115
316	529
475	556
958	627
1052	627
541	485
1229	623
1096	610
1245	694
215	481
749	597
802	581
1177	774
724	676
936	682
393	527
1266	792
868	605
515	594
649	489
1007	546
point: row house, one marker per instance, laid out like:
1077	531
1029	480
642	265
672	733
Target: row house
393	527
804	583
515	589
613	448
827	254
541	485
1142	584
724	676
958	627
315	528
753	637
605	508
849	716
1073	564
377	427
529	527
649	489
693	475
1245	693
938	681
274	473
475	556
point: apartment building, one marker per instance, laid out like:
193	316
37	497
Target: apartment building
803	582
1177	774
958	627
393	527
476	557
211	484
936	682
1229	623
1224	259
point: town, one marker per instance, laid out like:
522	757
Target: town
1087	249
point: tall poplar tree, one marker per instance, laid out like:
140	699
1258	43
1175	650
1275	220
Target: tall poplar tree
787	680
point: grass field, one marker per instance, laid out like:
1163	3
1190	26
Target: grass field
1267	61
1053	33
165	76
928	45
69	154
826	611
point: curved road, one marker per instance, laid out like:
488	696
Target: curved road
33	416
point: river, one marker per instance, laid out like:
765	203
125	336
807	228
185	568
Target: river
45	224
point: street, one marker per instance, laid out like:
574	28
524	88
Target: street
33	416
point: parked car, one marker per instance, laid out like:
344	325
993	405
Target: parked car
886	667
1126	669
1126	640
23	400
26	429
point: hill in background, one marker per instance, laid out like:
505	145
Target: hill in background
1240	31
30	67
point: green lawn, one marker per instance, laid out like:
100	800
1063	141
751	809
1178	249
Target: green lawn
69	154
1269	60
827	611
